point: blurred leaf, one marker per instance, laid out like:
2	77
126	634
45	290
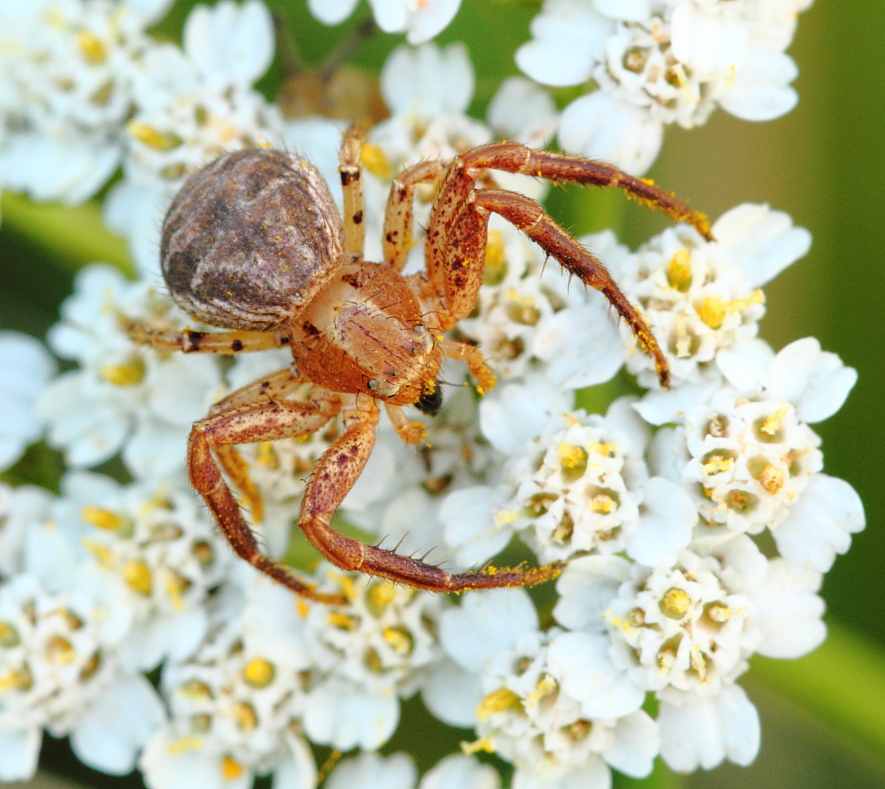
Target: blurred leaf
842	682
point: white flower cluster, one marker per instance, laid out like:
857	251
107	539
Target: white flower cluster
655	507
657	62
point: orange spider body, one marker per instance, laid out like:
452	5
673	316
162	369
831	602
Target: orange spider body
253	243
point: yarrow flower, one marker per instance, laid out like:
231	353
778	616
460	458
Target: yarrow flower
695	522
657	63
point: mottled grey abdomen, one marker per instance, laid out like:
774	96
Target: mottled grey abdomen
250	239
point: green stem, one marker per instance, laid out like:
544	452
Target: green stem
72	235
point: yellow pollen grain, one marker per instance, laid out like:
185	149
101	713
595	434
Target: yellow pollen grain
185	744
91	47
126	374
17	679
267	456
302	607
245	716
348	587
717	465
258	673
714	310
195	691
546	685
161	141
8	635
679	273
698	662
497	701
774	423
399	639
675	603
603	504
772	479
137	576
376	161
666	660
505	518
342	621
719	613
382	594
60	651
175	586
571	456
482	745
495	262
606	449
231	769
103	555
102	518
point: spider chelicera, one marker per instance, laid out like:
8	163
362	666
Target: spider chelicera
254	244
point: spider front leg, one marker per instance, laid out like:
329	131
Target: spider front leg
457	236
244	423
335	474
529	217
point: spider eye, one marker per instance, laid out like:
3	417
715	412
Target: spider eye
373	384
431	401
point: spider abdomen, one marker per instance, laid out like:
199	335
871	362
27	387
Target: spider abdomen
250	239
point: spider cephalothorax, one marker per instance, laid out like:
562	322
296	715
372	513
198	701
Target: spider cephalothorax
253	243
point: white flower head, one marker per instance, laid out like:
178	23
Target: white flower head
702	299
583	485
368	654
69	92
125	396
755	464
60	672
528	718
154	546
237	705
659	62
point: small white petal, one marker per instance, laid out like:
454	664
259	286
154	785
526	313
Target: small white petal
815	381
586	588
429	18
600	126
746	365
459	771
485	624
789	611
665	525
698	731
111	733
471	528
763	242
820	524
19	751
230	43
761	89
339	714
331	12
453	694
635	745
581	663
373	771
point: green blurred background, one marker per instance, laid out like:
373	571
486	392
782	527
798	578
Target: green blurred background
823	717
